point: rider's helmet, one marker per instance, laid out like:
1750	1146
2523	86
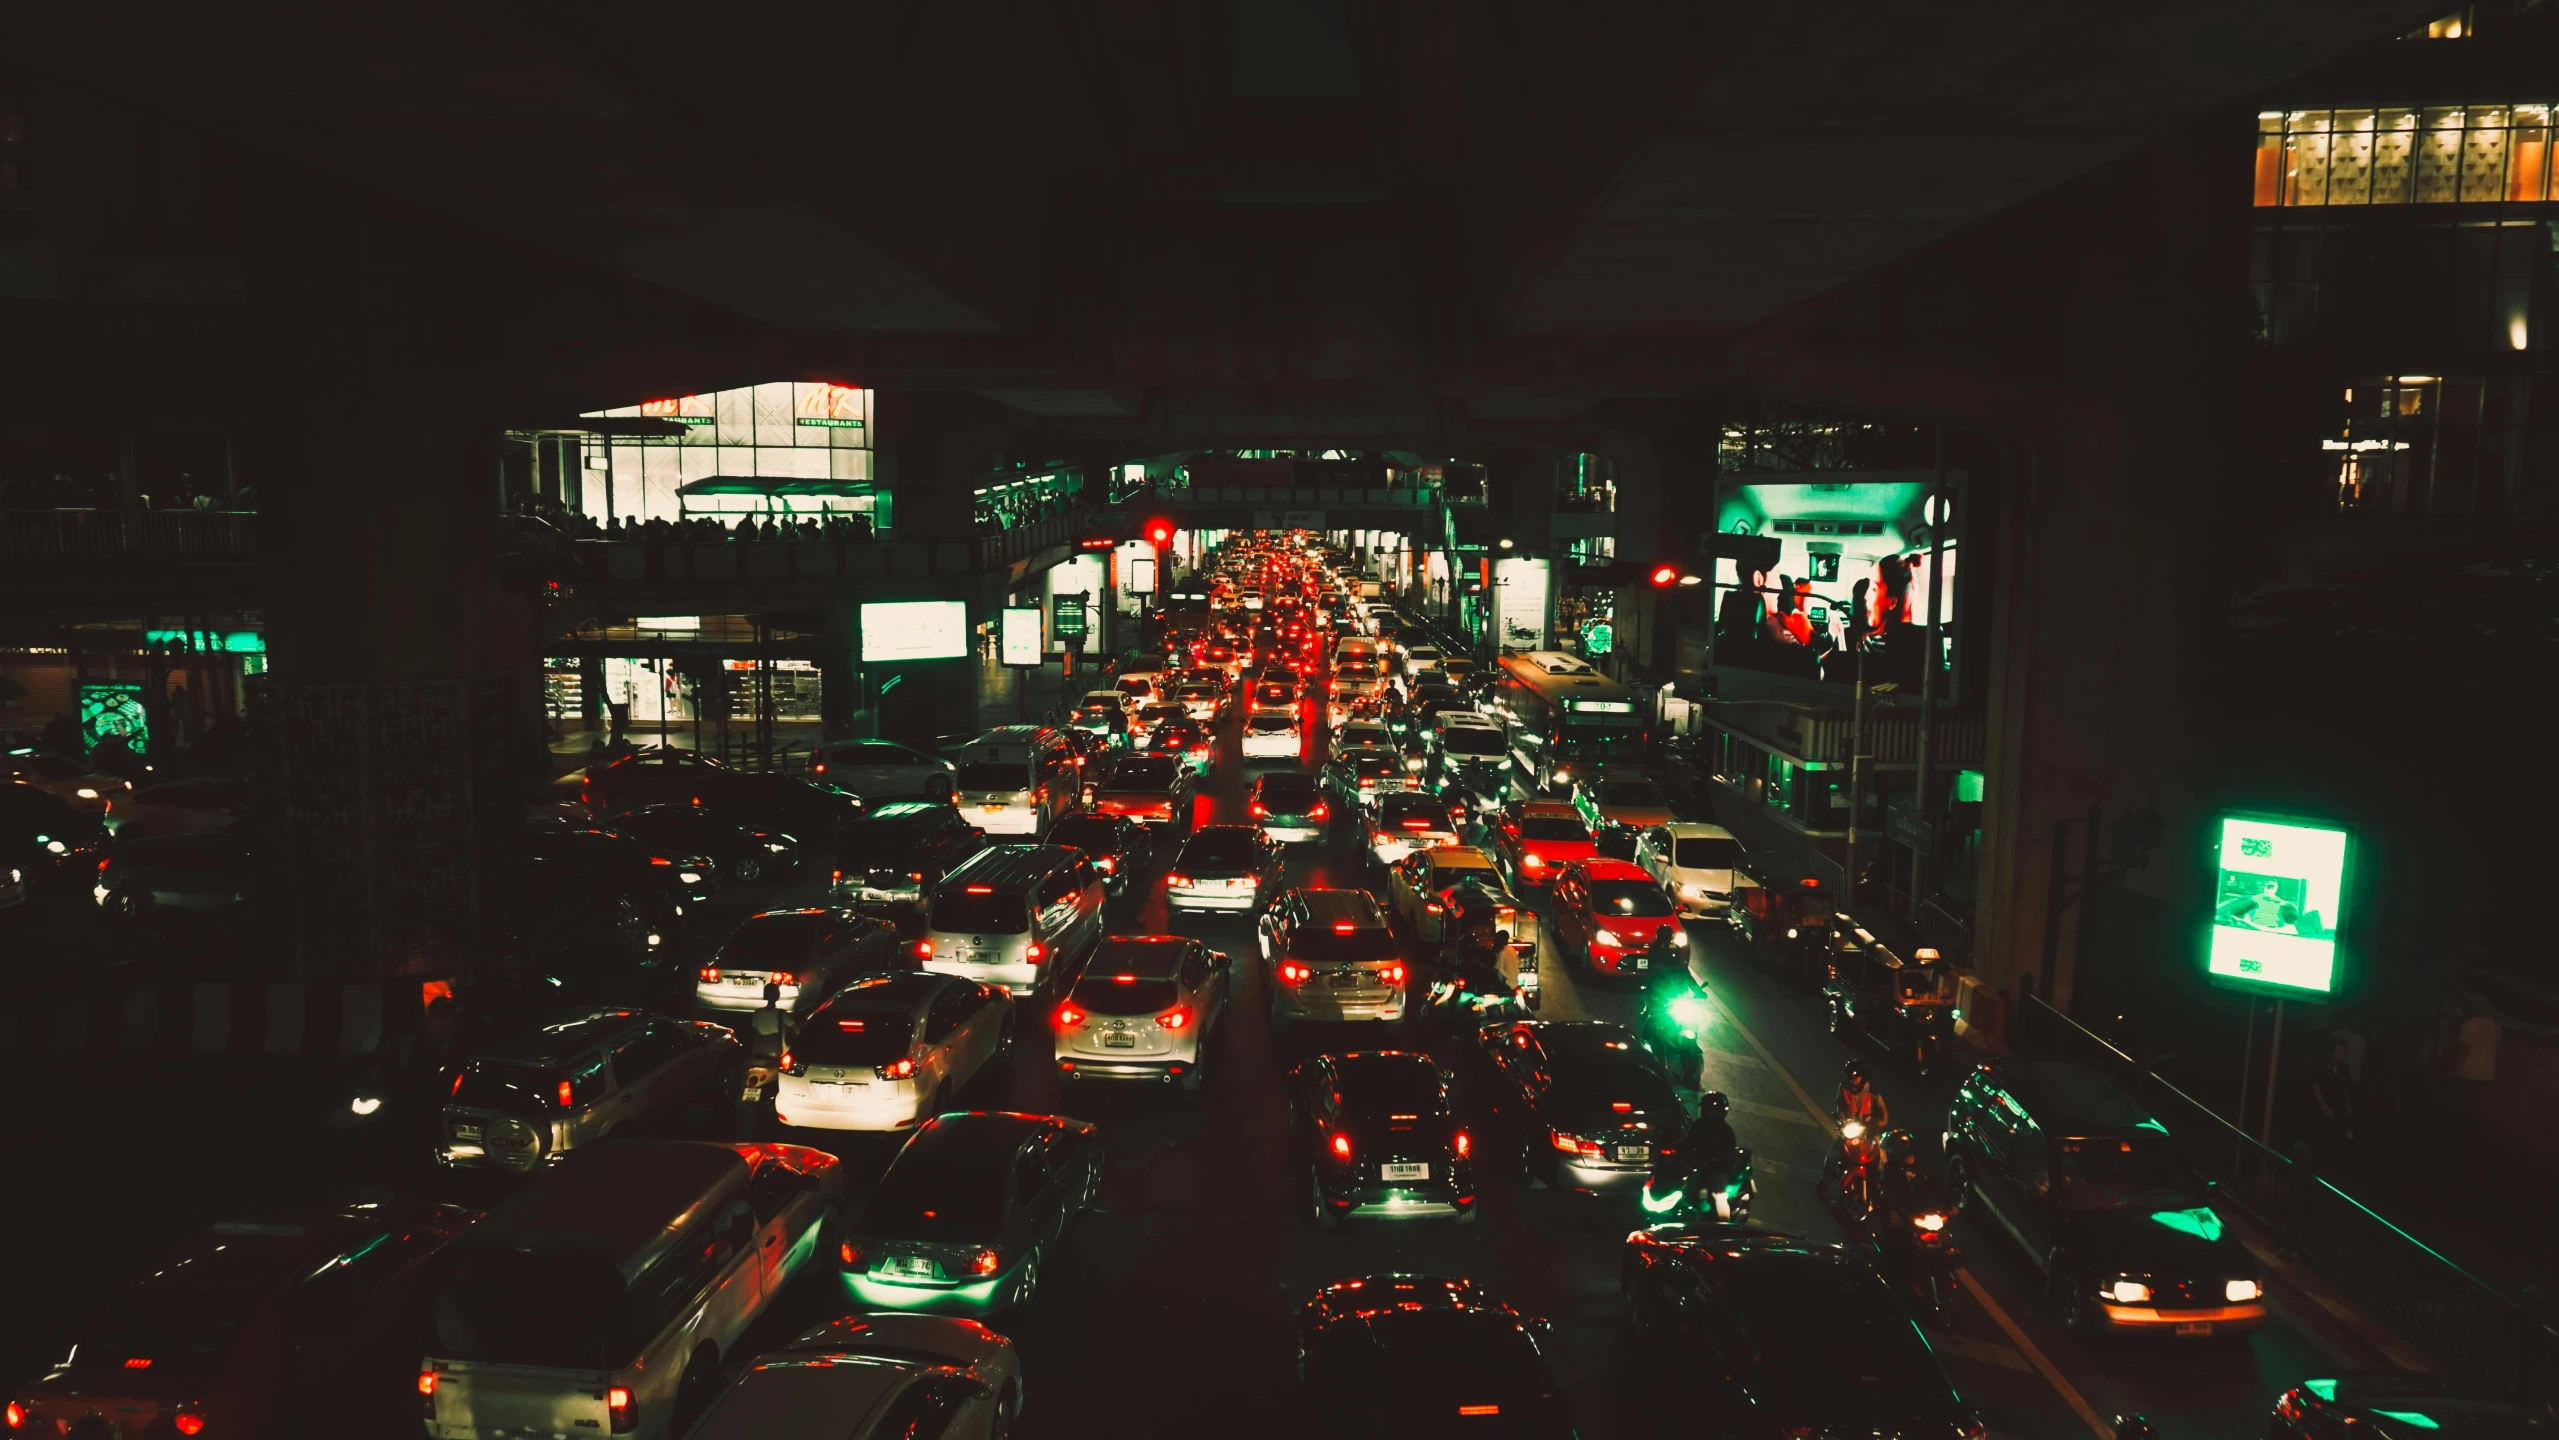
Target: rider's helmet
1714	1102
1852	1076
1899	1145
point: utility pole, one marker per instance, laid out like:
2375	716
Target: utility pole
1857	778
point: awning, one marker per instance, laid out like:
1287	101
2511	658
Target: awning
774	485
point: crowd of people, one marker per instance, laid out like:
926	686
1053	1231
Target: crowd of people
1014	509
1782	625
578	525
62	491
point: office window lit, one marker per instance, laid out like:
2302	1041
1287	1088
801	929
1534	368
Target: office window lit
2410	155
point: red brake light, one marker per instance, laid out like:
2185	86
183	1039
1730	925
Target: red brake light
17	1417
1343	927
782	977
1622	1107
1292	972
187	1422
568	1094
1321	811
1571	1144
790	1063
1341	1146
902	1068
981	890
710	974
1463	1143
1068	1017
924	948
1175	1018
1394	972
426	1384
849	1253
1259	808
617	1404
984	1262
137	1363
660	860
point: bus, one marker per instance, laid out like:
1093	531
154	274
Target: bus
1564	718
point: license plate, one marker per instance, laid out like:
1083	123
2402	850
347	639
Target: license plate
992	809
1347	979
1406	1172
744	981
1643	963
752	1093
2195	1327
913	1266
466	1132
1119	1040
1632	1154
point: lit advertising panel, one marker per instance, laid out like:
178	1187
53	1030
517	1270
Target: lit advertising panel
1019	635
2278	902
1841	571
915	630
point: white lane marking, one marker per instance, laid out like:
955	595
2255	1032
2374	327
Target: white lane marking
1982	1351
1802	1096
2061	1385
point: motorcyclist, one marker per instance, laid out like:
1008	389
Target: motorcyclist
1658	1012
1904	1189
1705	1155
1861	1116
1859	1101
1474	942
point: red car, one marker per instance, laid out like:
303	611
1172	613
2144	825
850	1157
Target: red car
307	1325
1606	913
1538	838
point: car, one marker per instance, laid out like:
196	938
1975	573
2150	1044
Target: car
1360	778
887	1052
1407	821
968	1212
1347	699
1111	842
1018	779
1289	807
1103	712
1581	1103
814	811
2091	1187
1619	802
1403	1354
1222	867
1148	1007
1273	736
1331	958
289	1323
1536	839
531	1099
1141	727
1699	866
1014	915
1422	880
1742	1332
880	770
1352	734
1203	696
653	775
2395	1405
1606	913
1379	1134
1420	659
588	889
734	852
42	834
809	953
1151	790
898	852
880	1376
1142	687
88	792
200	874
179	807
1185	740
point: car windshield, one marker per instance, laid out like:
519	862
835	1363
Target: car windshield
1705	852
967	911
1586	1083
1553	827
176	1332
1389	1087
2105	1172
1141	773
1114	995
1628	897
1228	850
1630	792
780	937
850	1036
1178	735
512	1089
995	775
1093	837
1287	794
1471	740
947	1191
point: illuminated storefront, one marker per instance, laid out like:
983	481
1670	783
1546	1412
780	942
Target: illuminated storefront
795	446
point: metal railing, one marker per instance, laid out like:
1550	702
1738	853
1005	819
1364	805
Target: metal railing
2466	1325
114	534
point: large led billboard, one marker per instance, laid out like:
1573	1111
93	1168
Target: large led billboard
2278	902
915	630
1840	571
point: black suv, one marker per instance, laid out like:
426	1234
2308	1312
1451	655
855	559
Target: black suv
1759	1333
2093	1189
1426	1355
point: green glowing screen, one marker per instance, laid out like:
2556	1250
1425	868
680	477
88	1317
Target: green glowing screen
2278	904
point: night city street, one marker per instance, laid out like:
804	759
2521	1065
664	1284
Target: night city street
1278	718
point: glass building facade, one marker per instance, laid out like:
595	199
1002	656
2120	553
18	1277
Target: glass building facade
785	445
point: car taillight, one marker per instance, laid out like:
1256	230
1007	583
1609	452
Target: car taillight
710	974
1320	812
1463	1143
1341	1146
984	1262
901	1068
617	1404
188	1421
790	1063
849	1253
1392	972
1177	878
1260	809
1068	1017
924	949
426	1397
1292	972
1035	951
1175	1018
568	1095
1571	1144
660	860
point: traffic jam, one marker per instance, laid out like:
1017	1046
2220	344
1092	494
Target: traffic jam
1310	1028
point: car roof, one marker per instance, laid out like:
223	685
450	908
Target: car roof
1698	830
1148	957
1095	696
902	990
781	1394
1342	904
1458	857
563	1039
903	809
979	1130
621	1201
1548	810
1607	869
1006	866
2065	1096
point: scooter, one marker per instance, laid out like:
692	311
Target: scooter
1461	1000
1723	1198
1847	1181
1931	1260
1670	1033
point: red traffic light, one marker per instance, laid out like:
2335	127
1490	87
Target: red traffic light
1159	532
1665	575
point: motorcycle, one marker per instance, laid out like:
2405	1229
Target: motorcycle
1723	1198
1847	1181
1670	1033
1931	1259
1469	992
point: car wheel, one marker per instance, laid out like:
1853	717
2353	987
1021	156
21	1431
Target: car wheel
125	905
748	870
1027	1284
999	1426
1319	1215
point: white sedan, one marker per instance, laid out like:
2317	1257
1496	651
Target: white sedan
1273	737
889	1051
883	770
873	1377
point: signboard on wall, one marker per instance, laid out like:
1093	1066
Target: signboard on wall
1070	617
914	630
1141	576
2278	903
1018	635
113	708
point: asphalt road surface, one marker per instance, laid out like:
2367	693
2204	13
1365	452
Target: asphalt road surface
1171	1310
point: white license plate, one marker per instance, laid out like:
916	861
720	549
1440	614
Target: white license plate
992	809
1119	1040
911	1266
744	981
2195	1327
466	1132
1632	1154
1643	963
752	1094
1406	1172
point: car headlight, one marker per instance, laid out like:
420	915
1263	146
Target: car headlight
2238	1291
2128	1292
57	847
364	1104
1693	892
1605	937
776	846
1688	1010
86	793
1679	936
690	877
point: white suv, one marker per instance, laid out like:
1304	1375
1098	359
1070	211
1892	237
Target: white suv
1698	865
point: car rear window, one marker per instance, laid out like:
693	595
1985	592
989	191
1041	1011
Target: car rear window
1288	793
511	1089
1197	692
507	1307
1105	995
1273	724
995	775
1390	1087
1141	773
1220	851
1430	809
759	942
890	840
1471	740
941	1192
1629	792
1552	827
994	912
1324	944
1093	837
1705	852
1628	897
177	1333
1591	1084
853	1037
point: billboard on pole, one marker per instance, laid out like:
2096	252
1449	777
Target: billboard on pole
2278	903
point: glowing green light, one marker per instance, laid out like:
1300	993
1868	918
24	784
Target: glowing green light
2151	1125
2199	1222
1688	1010
2325	1389
1666	1203
2410	1417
